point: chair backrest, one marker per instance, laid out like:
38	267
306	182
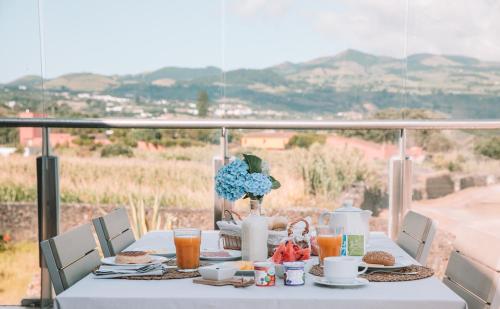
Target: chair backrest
416	235
476	283
70	256
114	232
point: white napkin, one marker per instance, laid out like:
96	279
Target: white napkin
114	271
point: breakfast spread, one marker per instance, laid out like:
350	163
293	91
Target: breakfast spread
133	257
379	258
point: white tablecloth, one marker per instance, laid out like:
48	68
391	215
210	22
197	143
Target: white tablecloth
179	294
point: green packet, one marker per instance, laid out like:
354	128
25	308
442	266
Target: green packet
355	245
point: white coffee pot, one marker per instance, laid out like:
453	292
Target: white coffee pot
348	219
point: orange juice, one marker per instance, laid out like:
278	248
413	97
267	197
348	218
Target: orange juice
187	249
329	245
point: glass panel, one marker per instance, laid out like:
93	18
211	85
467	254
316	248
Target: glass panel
20	96
132	59
456	174
453	63
139	169
314	59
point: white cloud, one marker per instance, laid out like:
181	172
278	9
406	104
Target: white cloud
259	8
445	27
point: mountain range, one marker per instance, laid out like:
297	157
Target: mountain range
460	86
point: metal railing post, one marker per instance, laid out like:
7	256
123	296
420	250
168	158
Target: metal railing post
400	187
48	208
221	204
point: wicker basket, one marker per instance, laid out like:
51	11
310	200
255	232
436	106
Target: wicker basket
272	247
231	239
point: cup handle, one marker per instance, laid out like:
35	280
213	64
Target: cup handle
321	219
365	268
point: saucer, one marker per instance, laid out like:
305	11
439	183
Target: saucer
341	284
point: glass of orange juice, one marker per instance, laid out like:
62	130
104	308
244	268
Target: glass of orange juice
187	249
329	242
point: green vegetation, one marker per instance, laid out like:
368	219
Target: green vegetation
489	147
14	283
305	140
328	173
429	140
116	150
202	104
447	162
8	136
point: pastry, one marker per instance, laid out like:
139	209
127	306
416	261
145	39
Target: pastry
132	257
244	265
380	258
277	223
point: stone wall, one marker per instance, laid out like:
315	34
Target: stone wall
20	220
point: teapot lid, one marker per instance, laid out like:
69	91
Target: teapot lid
348	206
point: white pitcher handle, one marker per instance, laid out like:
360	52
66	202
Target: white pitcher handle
365	268
321	219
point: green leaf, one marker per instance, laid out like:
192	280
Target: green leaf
275	184
254	163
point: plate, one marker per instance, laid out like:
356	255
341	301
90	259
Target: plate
354	283
154	260
233	255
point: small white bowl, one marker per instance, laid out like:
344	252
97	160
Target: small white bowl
217	272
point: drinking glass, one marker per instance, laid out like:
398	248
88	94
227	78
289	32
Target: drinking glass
329	242
187	249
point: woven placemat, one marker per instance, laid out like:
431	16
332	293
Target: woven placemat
422	273
170	273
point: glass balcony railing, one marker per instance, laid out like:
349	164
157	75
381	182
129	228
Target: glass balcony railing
318	167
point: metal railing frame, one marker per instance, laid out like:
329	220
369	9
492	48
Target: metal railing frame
399	199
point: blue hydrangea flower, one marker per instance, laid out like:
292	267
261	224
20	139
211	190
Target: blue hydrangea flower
229	181
257	184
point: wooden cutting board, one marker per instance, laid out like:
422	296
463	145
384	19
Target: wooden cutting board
236	282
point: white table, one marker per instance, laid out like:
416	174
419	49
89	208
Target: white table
119	293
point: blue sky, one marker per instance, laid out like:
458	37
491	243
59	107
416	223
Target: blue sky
119	36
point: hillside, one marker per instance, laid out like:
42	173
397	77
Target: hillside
460	86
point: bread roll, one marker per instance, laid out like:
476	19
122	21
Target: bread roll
132	257
279	223
380	258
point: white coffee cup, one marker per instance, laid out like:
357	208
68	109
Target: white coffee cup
342	269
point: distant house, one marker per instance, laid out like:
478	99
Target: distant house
266	140
372	150
32	137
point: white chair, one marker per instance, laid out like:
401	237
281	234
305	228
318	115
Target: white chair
476	283
416	236
70	256
114	232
